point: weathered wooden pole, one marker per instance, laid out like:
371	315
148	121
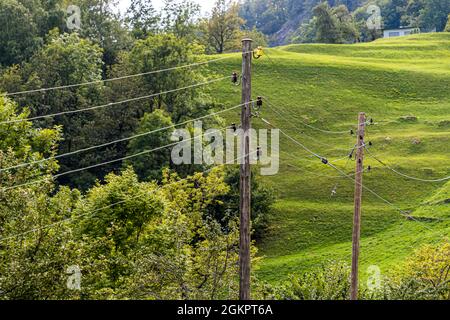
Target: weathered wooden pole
357	213
245	173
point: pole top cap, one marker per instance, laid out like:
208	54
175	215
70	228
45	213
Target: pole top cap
247	39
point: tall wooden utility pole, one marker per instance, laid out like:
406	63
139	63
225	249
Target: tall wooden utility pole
245	174
358	196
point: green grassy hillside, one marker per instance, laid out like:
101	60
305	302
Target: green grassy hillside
404	85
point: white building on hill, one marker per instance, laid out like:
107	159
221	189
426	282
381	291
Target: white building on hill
402	31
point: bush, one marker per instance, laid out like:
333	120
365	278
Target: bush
262	199
330	281
425	275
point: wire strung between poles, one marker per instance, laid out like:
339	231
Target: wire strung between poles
402	212
371	155
115	141
117	78
274	109
310	126
104	163
113	204
114	103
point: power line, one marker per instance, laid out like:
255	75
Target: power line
116	141
117	78
102	163
110	205
274	109
303	146
115	103
404	213
402	174
313	127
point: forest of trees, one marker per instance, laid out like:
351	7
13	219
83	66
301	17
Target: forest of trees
141	228
122	223
286	21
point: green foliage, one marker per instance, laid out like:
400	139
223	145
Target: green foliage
261	201
65	60
102	26
161	52
156	244
180	19
424	276
221	30
306	33
142	18
331	281
32	264
19	38
130	239
447	27
334	25
148	166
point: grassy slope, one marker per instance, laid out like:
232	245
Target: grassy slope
326	86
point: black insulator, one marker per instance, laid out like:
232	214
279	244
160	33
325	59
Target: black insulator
370	143
258	153
233	126
234	77
371	121
259	102
369	168
352	132
324	160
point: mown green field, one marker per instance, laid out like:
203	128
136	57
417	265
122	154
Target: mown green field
404	85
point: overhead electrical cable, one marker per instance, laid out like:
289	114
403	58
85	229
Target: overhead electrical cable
116	141
114	103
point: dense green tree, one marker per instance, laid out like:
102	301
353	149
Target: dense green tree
180	18
334	25
434	14
102	25
306	33
424	276
167	51
65	60
267	16
156	242
393	12
148	166
346	24
261	201
222	28
34	240
447	27
142	18
20	35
